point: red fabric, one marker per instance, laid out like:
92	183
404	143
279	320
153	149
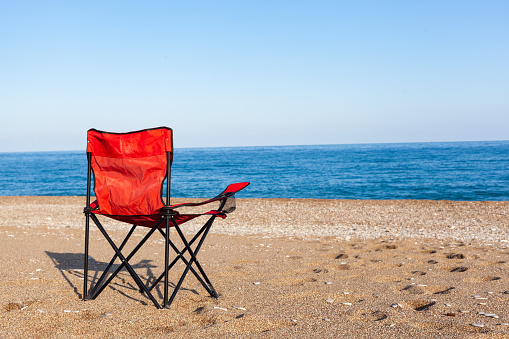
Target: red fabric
236	187
156	141
151	220
129	170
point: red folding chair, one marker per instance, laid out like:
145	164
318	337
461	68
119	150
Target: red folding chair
129	170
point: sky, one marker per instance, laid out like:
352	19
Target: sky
253	73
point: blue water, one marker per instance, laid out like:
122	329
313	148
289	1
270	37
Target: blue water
436	171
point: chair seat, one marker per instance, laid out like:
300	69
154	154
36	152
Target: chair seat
151	220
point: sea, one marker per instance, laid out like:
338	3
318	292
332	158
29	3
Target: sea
469	171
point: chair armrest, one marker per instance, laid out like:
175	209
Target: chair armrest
228	192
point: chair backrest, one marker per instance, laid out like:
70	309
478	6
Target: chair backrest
129	169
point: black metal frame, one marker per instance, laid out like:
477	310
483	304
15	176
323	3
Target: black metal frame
169	219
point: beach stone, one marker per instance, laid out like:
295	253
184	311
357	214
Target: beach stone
329	300
506	292
476	325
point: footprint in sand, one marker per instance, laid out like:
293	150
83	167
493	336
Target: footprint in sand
420	306
429	251
375	316
446	291
460	269
17	306
419	272
492	278
481	279
13	307
89	315
294	257
414	289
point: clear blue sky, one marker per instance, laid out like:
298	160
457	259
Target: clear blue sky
236	73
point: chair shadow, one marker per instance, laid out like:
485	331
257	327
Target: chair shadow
71	264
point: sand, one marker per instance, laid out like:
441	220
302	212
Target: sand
283	268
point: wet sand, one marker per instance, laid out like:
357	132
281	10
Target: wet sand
283	268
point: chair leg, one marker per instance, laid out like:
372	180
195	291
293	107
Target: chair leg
193	258
112	261
166	261
85	262
104	281
125	261
197	249
180	255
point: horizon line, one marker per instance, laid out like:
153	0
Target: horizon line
289	145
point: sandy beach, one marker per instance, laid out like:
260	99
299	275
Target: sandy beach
283	268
